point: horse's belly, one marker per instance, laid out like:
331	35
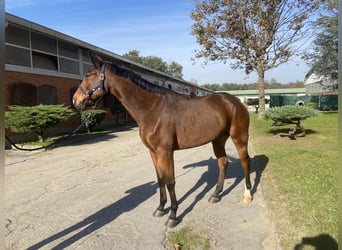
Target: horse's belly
192	138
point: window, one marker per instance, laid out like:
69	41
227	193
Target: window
67	50
44	61
32	49
17	36
69	66
43	43
86	67
17	56
85	56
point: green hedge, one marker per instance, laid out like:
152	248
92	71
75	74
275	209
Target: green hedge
291	114
95	119
36	119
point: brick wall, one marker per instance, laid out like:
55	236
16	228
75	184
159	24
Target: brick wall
65	88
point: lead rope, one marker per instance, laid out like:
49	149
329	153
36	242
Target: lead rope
59	140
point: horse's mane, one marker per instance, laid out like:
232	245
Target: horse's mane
138	80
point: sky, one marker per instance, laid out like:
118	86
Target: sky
159	28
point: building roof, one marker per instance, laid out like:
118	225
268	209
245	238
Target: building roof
267	91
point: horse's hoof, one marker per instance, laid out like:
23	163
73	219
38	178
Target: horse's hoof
159	213
214	199
247	199
171	222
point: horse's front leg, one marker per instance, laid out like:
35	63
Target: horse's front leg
172	221
164	164
160	211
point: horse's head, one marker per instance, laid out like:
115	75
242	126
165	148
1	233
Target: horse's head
92	88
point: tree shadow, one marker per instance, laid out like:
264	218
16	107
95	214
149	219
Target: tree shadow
278	130
319	242
210	177
97	135
258	164
84	139
135	196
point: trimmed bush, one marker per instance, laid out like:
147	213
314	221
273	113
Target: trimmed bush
36	119
291	114
95	119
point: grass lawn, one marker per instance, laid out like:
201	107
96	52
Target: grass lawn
300	181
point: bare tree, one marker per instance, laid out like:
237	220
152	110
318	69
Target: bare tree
255	35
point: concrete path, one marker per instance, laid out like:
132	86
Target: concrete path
101	195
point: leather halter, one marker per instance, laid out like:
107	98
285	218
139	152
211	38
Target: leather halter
100	86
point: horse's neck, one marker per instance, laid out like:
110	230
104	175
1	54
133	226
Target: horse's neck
136	100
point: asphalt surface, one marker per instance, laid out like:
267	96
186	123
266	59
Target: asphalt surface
101	194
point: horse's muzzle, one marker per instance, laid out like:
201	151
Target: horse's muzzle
79	102
77	105
82	103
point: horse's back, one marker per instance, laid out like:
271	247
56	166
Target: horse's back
231	104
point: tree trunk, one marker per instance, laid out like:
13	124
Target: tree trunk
261	85
40	135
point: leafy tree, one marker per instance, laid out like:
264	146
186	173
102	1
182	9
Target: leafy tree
134	56
154	62
257	35
252	86
94	118
35	119
213	86
173	69
291	114
324	58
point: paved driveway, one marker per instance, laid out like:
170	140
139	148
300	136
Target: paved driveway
101	195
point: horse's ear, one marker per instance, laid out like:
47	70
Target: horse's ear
96	60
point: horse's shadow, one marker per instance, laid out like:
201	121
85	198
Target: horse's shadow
135	196
210	177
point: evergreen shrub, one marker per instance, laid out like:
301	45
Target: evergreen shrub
23	119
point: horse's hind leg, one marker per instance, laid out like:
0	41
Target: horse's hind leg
222	162
242	148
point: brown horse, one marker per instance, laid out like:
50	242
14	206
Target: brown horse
169	121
